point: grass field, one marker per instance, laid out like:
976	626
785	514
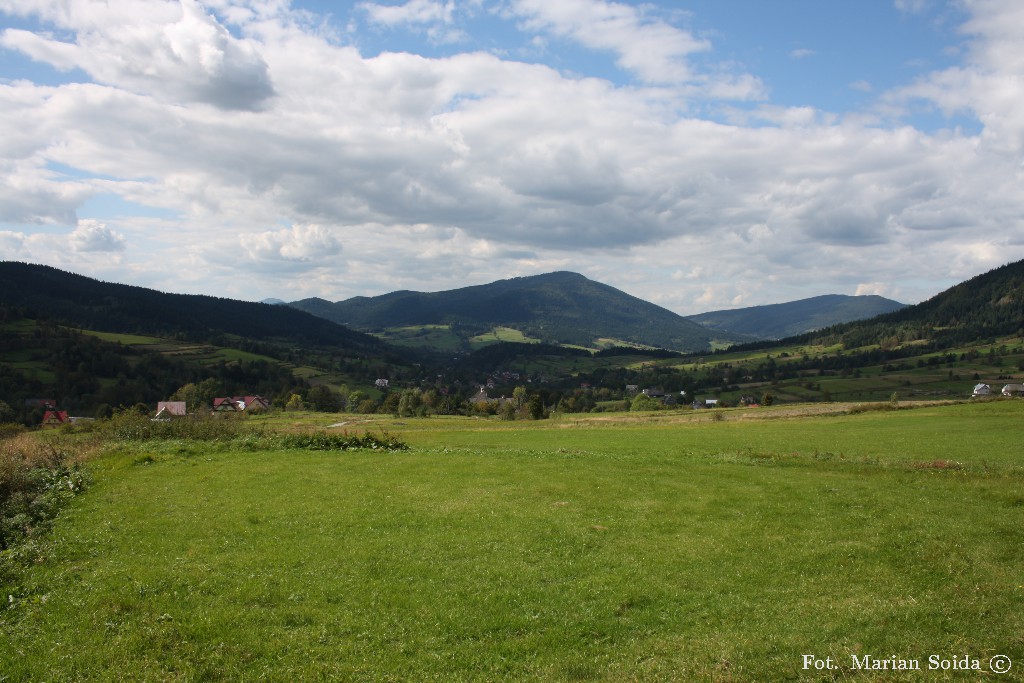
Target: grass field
501	334
656	547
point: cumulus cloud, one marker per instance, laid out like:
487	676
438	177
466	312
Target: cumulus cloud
990	84
173	50
436	172
649	47
412	12
299	243
91	235
11	243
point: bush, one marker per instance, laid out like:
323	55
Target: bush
9	429
131	427
36	479
322	441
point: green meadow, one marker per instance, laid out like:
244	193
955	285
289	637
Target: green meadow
705	546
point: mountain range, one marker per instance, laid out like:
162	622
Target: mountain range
568	308
777	321
89	343
90	304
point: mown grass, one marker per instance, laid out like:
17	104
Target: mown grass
604	550
501	334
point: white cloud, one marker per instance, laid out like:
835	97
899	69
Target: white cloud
176	51
990	84
412	12
911	6
11	244
92	235
402	171
802	53
299	243
653	49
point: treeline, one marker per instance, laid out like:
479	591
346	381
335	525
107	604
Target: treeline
89	376
42	291
982	308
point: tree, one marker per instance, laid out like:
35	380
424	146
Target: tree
767	399
642	402
355	399
411	403
535	408
198	395
295	403
323	399
519	397
391	403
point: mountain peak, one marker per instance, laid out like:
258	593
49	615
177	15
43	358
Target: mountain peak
558	307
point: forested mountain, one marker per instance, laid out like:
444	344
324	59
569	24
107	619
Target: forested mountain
776	321
984	307
72	339
559	307
80	301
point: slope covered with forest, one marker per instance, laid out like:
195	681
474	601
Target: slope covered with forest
561	307
79	301
776	321
983	307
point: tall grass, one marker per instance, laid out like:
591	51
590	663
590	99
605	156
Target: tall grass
37	479
232	431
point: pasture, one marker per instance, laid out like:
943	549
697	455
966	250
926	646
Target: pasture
653	547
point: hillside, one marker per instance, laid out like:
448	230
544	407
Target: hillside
90	304
986	306
90	344
777	321
559	307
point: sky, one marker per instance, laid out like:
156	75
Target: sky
701	155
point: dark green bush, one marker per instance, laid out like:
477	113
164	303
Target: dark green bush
322	441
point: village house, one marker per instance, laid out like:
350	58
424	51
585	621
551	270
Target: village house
55	418
1013	390
239	404
165	410
982	390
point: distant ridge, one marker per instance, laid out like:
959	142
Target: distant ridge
92	304
983	307
777	321
560	307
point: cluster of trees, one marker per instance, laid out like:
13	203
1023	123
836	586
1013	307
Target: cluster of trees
89	376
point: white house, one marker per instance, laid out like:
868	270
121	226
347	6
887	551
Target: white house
1013	390
982	390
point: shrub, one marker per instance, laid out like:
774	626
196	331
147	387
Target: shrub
322	441
9	429
36	479
129	426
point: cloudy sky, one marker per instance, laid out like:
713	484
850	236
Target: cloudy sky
700	154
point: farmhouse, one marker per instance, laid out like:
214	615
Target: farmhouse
165	410
55	418
480	396
982	390
1013	390
240	404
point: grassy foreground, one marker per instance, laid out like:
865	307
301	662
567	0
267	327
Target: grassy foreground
590	550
